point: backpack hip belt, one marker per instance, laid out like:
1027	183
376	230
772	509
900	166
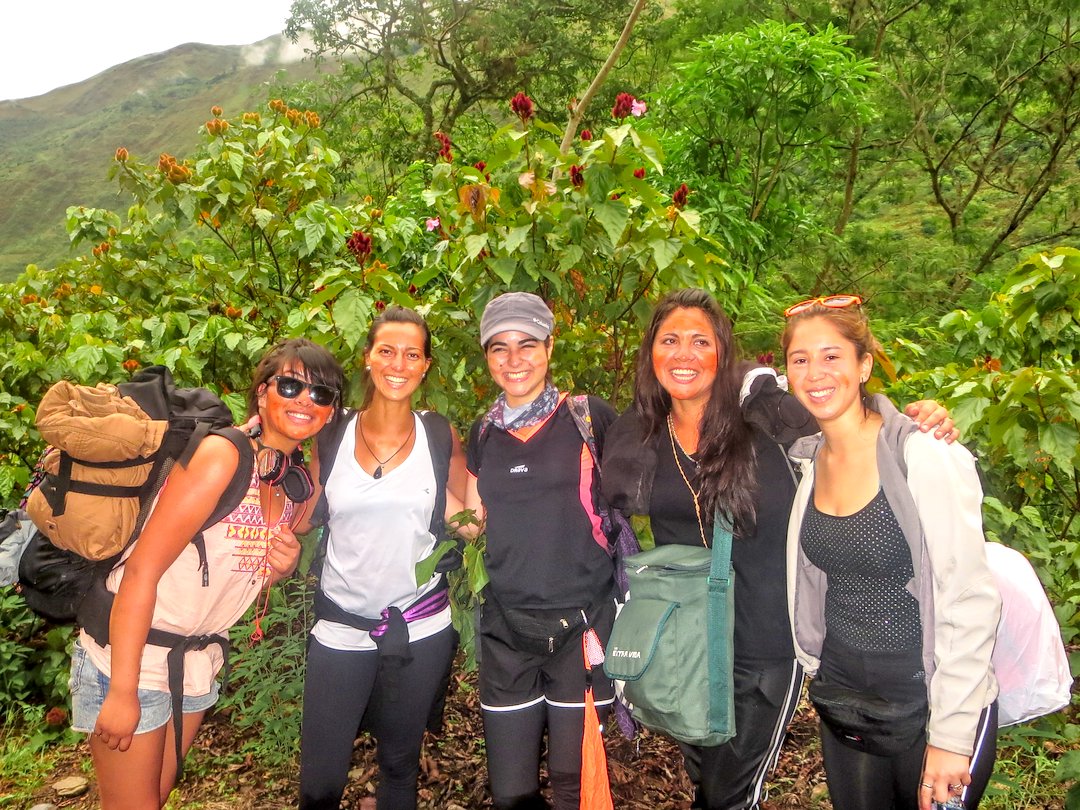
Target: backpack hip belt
94	615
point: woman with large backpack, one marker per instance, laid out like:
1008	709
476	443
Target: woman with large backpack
708	433
382	645
121	690
533	481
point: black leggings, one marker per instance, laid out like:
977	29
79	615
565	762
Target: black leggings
732	776
339	688
513	741
861	781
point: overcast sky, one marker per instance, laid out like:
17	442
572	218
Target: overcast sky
50	43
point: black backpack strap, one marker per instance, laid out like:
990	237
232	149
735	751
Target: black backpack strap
232	496
94	615
328	440
440	446
179	646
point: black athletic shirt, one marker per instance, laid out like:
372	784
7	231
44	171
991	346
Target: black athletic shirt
762	631
541	551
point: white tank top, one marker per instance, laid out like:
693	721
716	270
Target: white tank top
379	530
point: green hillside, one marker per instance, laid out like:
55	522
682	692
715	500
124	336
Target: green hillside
55	148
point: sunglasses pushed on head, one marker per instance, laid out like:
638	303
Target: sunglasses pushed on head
830	301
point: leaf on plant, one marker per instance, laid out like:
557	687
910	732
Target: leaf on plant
351	313
425	568
664	252
262	217
474	243
515	237
613	217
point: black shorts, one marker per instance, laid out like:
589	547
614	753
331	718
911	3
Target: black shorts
512	679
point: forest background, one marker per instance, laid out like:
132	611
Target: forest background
923	154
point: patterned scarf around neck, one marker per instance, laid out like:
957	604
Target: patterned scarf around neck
535	412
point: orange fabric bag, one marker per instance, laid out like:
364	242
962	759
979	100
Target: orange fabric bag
595	784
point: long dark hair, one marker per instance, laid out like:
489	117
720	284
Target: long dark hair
393	314
726	463
318	363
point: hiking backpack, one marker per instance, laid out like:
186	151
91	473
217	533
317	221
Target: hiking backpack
112	447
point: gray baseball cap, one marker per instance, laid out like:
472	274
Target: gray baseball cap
516	312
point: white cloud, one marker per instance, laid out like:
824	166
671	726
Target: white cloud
52	43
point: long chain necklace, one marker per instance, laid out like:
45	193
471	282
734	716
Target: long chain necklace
379	469
682	472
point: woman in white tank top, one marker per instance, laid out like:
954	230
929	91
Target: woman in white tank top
382	645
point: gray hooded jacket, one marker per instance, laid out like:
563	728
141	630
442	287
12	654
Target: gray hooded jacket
938	505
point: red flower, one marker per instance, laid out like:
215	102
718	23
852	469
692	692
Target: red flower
522	107
577	176
639	173
413	289
678	199
766	358
56	716
444	152
624	105
359	244
586	134
380	305
480	165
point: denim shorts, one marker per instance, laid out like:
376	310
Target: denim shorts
89	685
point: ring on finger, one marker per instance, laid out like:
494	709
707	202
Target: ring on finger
956	787
927	785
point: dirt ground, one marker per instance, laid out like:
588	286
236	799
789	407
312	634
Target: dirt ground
646	774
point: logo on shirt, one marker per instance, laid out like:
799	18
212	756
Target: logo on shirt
617	652
519	469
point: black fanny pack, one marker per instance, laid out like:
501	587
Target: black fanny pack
869	723
541	631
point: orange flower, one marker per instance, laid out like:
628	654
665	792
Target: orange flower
578	281
179	174
215	111
312	118
95	289
121	155
130	364
473	200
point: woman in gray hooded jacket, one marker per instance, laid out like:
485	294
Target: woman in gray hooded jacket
893	607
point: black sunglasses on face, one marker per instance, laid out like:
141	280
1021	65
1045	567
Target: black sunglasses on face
290	388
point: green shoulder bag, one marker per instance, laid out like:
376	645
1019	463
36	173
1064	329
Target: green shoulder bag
672	643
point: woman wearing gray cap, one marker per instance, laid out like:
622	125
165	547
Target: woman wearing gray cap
534	486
